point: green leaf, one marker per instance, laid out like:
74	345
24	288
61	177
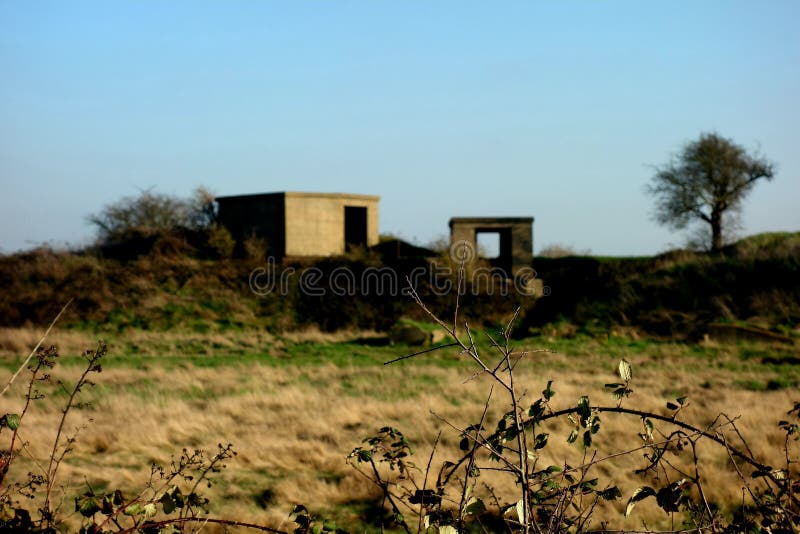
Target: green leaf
669	497
541	441
672	406
7	513
572	436
625	371
511	434
583	406
548	392
537	410
639	494
464	444
316	529
610	494
12	420
587	439
681	400
447	529
475	506
133	509
588	485
168	503
87	504
584	411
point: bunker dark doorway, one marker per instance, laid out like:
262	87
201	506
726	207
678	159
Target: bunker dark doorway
500	247
355	227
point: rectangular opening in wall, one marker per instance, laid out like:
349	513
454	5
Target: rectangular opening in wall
494	244
488	244
355	227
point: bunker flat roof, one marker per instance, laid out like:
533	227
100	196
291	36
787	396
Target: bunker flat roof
302	194
486	220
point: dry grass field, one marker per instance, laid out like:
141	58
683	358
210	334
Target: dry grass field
295	406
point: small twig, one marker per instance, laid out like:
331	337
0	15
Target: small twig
183	520
461	279
425	482
700	486
523	451
483	443
387	495
426	351
39	344
471	462
55	461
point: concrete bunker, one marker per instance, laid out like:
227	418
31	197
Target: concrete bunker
294	224
515	237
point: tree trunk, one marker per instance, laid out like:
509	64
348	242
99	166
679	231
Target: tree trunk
716	230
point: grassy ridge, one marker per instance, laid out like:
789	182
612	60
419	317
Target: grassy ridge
673	295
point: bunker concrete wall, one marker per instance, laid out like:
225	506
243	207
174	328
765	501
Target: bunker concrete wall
516	237
295	223
258	215
315	224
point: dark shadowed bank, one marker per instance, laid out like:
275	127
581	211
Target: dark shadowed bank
179	279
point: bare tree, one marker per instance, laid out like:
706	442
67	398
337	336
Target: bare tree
706	182
151	212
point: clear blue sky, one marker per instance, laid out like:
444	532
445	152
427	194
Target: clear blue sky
555	110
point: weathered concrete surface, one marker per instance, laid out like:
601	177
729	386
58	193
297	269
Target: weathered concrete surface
516	238
295	223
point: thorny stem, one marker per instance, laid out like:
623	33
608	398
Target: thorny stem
699	486
387	495
520	423
183	520
523	451
55	461
28	399
223	454
739	472
425	482
471	462
485	444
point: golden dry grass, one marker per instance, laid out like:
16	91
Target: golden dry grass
293	425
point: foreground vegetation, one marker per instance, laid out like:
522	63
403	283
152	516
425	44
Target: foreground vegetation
296	382
295	405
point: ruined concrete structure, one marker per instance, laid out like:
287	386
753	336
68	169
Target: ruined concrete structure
516	238
302	224
294	224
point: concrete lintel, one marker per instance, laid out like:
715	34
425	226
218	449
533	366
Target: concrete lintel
490	220
301	194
